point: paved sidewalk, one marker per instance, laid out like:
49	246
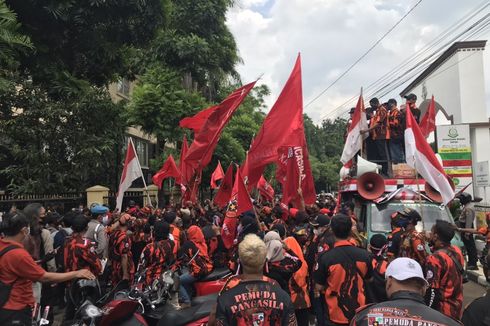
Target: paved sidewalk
477	276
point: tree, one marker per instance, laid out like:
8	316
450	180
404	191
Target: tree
87	40
159	102
12	44
53	146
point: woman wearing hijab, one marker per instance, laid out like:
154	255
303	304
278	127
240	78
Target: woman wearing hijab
194	255
282	263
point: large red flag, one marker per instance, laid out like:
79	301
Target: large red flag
428	122
265	189
282	126
217	175
184	168
202	148
169	169
229	229
293	170
224	193
197	121
240	193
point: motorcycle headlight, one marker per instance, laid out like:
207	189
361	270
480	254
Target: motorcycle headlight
92	311
168	278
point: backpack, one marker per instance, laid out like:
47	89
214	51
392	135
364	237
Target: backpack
6	288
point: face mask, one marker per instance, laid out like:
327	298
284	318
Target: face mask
317	232
239	228
105	220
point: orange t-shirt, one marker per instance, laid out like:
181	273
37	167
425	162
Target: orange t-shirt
19	269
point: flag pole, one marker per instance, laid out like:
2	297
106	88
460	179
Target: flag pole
419	193
142	176
362	136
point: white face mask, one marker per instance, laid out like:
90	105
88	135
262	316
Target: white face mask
105	220
317	231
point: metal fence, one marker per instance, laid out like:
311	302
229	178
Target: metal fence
136	196
61	202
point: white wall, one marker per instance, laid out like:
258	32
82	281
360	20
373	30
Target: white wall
480	148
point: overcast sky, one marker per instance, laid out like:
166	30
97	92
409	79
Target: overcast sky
331	35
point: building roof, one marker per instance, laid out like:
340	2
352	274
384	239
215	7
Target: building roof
437	63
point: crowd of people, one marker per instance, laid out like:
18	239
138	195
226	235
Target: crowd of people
291	266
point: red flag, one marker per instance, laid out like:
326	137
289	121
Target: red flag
190	193
229	229
428	122
184	168
169	169
282	126
218	174
240	192
224	193
353	142
202	148
131	172
197	121
265	189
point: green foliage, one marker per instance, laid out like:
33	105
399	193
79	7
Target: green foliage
12	44
52	146
88	40
159	102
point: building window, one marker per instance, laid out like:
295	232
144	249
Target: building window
141	147
123	87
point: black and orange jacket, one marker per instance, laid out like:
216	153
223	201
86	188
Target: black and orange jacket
194	253
119	245
394	241
298	284
377	285
282	271
445	278
412	245
343	271
156	259
177	237
396	120
79	253
380	120
318	245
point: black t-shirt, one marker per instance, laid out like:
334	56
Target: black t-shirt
255	302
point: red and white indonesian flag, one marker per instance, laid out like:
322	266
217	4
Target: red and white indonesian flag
420	156
353	142
131	172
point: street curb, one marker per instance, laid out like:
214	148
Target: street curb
477	277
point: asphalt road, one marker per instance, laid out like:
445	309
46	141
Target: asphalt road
471	291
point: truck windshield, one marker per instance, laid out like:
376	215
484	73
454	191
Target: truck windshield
381	215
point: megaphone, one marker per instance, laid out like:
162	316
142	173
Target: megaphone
370	185
433	194
364	166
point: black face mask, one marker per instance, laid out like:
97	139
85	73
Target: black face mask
431	243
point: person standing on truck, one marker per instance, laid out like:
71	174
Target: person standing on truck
411	101
370	147
396	121
380	134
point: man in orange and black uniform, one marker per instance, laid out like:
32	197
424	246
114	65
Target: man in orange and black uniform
79	253
377	247
411	101
412	243
177	234
251	298
445	272
341	274
396	120
120	254
380	133
158	255
395	237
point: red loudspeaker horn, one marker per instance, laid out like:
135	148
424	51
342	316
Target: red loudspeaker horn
370	185
434	194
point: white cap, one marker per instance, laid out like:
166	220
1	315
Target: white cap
402	269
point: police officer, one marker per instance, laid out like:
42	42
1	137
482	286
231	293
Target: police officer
96	230
405	286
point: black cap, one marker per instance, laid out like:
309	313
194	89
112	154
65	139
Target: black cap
351	111
392	101
321	220
280	228
378	241
411	97
374	100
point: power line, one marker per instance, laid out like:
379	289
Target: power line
364	55
474	29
